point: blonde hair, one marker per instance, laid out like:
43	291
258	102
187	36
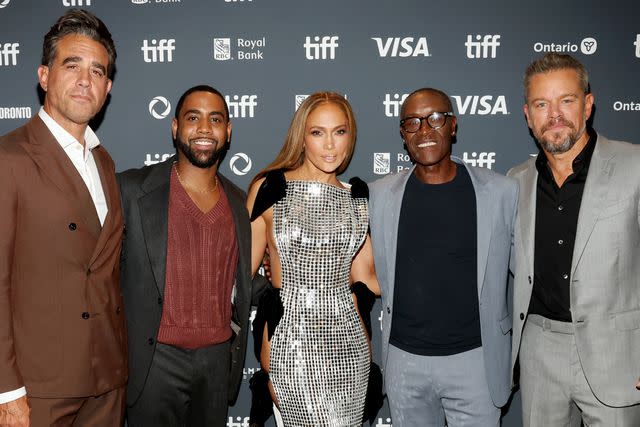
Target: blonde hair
291	155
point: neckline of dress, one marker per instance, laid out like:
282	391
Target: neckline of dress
307	181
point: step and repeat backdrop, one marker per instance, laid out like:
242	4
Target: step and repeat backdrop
267	55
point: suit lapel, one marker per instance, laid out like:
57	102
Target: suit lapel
47	153
154	215
484	225
527	211
595	191
392	208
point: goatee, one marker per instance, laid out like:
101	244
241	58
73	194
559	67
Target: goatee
201	159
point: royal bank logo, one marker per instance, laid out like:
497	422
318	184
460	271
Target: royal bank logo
384	423
481	160
482	46
392	104
246	49
241	106
240	164
158	50
9	54
637	45
76	3
238	422
321	47
139	1
587	46
9	113
299	99
381	163
403	47
481	105
152	159
626	106
4	3
159	107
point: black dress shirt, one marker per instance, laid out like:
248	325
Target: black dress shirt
557	210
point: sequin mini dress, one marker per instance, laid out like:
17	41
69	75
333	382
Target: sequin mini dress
319	359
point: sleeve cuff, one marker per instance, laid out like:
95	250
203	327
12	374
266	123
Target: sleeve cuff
12	395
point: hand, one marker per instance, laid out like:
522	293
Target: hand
15	413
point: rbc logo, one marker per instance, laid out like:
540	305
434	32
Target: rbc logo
484	46
321	49
155	51
241	106
9	54
402	47
240	164
160	102
76	3
481	160
299	100
222	49
392	106
381	163
481	105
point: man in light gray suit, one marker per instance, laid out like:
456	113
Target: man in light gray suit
441	235
577	260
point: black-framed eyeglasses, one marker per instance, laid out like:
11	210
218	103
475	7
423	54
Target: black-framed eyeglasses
435	120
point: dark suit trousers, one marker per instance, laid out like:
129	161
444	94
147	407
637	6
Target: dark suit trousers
106	410
184	388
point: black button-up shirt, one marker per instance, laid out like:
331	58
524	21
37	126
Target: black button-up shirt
557	210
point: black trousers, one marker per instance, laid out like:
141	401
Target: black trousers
184	388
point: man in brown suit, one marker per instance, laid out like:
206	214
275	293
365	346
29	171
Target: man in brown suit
62	331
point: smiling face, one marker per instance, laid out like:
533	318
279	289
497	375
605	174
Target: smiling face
76	83
201	130
557	110
428	146
327	139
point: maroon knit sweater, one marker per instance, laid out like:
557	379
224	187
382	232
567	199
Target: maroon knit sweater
202	256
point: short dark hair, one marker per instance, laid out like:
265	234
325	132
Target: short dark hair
201	88
83	23
437	92
553	61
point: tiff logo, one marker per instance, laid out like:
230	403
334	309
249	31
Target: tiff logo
402	47
155	51
242	105
392	106
481	160
637	45
484	46
9	53
76	3
321	49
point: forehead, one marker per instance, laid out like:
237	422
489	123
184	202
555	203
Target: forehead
424	102
557	82
326	112
83	47
203	101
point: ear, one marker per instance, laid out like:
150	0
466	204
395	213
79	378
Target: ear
454	125
588	106
229	129
109	83
174	127
43	76
526	114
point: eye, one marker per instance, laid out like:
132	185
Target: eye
216	119
540	104
341	131
316	132
71	66
97	72
192	118
567	101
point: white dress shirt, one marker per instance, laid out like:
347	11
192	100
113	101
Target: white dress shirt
85	164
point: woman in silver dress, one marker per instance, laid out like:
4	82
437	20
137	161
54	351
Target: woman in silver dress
315	230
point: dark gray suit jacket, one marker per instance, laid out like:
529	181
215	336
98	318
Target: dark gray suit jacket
145	201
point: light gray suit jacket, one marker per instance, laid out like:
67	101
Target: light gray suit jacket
496	199
605	269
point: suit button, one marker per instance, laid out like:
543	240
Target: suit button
150	341
388	310
85	315
521	316
73	226
118	310
529	279
159	300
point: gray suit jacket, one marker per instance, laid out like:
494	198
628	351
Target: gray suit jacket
605	269
145	201
496	198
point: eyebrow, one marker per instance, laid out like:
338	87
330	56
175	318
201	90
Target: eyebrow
196	111
95	64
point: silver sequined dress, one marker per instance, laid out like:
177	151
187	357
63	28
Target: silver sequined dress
319	360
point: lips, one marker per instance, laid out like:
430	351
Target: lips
330	159
426	144
203	142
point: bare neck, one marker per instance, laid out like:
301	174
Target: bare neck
439	173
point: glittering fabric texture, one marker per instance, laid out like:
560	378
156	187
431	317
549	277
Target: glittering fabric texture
319	360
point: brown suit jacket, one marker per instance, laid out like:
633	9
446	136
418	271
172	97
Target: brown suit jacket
62	329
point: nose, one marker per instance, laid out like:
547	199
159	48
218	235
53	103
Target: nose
329	143
84	79
204	126
554	110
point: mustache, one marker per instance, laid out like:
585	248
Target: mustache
558	120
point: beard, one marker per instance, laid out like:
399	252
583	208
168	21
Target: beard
198	158
554	144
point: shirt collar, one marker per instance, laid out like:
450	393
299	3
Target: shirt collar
64	138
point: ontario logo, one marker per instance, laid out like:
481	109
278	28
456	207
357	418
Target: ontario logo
587	46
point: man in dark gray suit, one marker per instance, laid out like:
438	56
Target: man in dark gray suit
577	259
441	235
185	274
